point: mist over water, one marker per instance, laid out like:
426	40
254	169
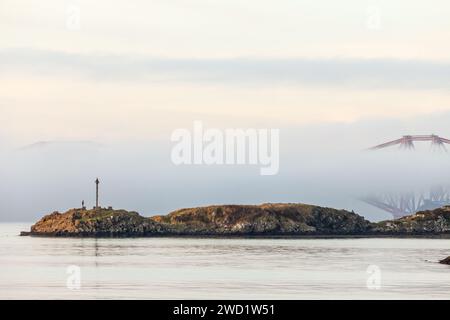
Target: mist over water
326	165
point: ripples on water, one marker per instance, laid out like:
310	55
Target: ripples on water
180	268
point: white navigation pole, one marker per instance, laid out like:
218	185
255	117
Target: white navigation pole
96	193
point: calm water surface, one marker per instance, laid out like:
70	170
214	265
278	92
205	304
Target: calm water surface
179	268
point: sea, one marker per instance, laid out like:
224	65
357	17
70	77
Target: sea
210	268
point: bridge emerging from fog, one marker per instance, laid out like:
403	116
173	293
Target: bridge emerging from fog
407	203
407	142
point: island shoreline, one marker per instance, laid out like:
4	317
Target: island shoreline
243	236
269	220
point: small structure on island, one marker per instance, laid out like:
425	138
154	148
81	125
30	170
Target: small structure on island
96	193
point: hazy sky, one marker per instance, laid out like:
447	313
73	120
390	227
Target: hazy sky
118	72
129	68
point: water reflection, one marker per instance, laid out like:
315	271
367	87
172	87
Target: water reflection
221	268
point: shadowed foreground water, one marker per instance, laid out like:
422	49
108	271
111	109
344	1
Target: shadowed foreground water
180	268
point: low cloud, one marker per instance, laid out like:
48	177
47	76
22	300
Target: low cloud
355	73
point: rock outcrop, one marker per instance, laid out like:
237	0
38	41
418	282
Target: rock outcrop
435	221
445	261
95	222
244	220
266	219
273	219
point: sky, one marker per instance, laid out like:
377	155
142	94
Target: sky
106	83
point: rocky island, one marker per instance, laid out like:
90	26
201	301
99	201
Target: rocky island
287	219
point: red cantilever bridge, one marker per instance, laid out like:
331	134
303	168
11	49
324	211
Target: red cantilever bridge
407	142
408	203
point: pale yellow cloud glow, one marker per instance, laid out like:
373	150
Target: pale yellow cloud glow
69	102
44	108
